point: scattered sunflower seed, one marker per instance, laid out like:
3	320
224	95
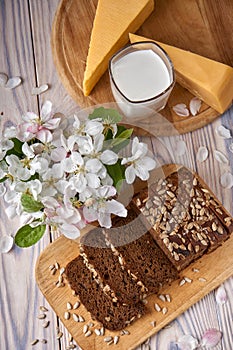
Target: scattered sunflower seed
41	316
35	341
43	308
69	306
116	339
196	270
76	305
102	331
188	280
85	328
70	347
62	270
157	307
164	310
39	89
43	341
107	339
168	298
202	279
162	297
110	342
75	318
97	332
153	323
81	319
182	282
90	324
57	266
45	324
67	315
51	267
59	335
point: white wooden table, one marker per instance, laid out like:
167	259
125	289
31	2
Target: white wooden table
25	51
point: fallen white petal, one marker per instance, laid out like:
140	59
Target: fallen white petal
220	157
180	148
223	132
211	338
226	180
181	110
221	295
202	154
6	243
40	89
187	342
13	83
3	79
195	105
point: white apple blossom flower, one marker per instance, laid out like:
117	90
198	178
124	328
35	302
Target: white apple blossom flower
66	218
100	206
66	169
39	126
53	181
5	145
32	187
138	164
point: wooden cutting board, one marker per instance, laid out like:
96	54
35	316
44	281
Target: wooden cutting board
189	25
215	268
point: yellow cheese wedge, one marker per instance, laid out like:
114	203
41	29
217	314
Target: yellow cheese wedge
210	80
114	19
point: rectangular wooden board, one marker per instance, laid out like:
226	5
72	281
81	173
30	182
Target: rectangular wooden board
215	268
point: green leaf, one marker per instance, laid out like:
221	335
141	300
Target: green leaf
29	204
27	235
117	173
109	115
3	179
17	149
121	141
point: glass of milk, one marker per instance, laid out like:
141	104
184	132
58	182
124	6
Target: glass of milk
142	77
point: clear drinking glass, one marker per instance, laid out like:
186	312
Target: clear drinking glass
155	101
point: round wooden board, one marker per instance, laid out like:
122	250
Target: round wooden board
190	25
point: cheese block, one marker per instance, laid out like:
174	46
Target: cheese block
114	19
209	80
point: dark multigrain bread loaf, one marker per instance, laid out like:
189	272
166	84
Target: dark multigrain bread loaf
142	257
113	315
100	258
187	220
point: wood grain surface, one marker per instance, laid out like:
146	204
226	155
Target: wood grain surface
70	40
25	30
215	268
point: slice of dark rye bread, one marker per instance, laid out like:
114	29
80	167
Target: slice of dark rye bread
138	253
113	315
105	265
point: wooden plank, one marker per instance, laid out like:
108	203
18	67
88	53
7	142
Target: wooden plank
70	40
19	295
215	268
42	14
